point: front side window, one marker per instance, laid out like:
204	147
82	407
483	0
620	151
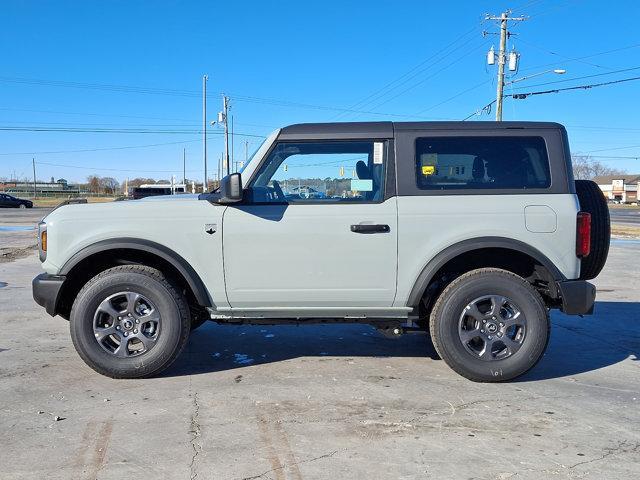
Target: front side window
449	163
317	172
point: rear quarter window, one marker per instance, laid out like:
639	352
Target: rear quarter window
483	163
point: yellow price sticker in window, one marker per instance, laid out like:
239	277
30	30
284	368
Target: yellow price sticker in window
428	169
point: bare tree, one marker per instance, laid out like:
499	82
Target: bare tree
93	183
587	168
136	182
109	185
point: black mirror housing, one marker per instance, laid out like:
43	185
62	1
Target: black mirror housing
231	189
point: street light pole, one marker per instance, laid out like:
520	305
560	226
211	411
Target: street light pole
558	71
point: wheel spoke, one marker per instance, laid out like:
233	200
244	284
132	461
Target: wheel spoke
467	335
132	299
472	311
486	353
102	333
152	316
147	342
107	308
517	319
512	345
123	349
496	305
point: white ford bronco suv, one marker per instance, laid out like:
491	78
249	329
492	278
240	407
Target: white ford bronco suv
470	231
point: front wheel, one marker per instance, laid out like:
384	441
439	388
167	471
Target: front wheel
22	205
129	322
490	325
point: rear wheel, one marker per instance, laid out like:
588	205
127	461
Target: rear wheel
490	325
592	201
129	322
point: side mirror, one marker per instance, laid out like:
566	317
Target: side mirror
231	189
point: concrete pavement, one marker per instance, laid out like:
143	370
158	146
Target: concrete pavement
322	402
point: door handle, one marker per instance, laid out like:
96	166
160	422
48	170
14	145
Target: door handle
368	228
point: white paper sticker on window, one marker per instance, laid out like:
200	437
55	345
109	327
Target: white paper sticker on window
361	185
378	149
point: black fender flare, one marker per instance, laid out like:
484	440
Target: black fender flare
179	263
452	251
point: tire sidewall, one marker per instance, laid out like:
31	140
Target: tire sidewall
86	304
463	361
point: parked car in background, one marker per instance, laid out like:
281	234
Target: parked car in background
9	201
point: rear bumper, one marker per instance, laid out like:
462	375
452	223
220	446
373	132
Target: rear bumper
578	297
46	289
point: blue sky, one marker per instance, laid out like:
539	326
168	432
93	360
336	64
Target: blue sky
64	63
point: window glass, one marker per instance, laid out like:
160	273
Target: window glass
444	163
316	172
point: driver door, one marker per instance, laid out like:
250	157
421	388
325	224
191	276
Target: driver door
316	230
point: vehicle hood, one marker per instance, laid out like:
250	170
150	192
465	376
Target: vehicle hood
128	213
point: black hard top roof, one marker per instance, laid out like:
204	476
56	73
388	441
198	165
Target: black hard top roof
386	129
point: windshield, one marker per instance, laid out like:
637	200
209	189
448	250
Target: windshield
244	165
250	165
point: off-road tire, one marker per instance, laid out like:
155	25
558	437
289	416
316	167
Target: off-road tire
445	316
171	304
592	201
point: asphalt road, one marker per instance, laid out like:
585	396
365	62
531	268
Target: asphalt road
625	215
22	216
322	402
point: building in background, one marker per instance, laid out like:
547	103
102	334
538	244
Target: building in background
619	188
45	189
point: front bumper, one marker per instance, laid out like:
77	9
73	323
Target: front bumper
46	289
578	297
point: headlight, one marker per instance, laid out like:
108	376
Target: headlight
42	240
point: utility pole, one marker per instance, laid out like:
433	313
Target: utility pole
184	166
204	129
33	160
502	56
232	147
223	117
246	151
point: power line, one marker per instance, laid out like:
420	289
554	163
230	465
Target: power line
615	148
577	78
469	52
191	94
453	97
114	130
613	157
110	169
379	92
521	96
565	57
577	59
98	149
91	114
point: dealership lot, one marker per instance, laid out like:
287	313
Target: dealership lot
321	401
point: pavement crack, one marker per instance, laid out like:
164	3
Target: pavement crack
286	465
621	448
195	434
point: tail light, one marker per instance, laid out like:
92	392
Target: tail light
583	234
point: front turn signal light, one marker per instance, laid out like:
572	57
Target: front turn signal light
43	241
